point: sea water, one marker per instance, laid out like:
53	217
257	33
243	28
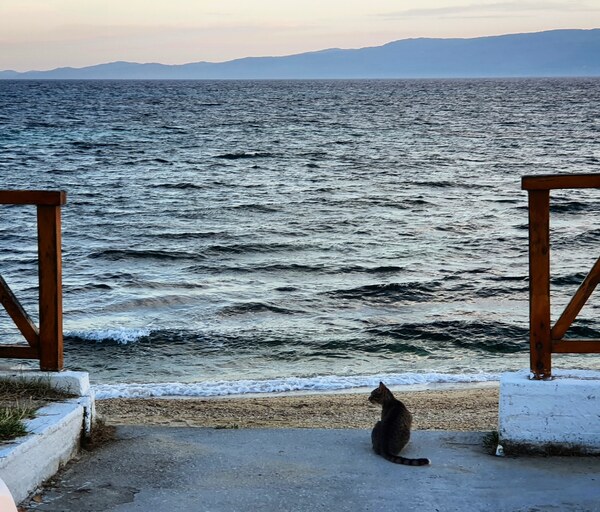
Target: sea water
249	236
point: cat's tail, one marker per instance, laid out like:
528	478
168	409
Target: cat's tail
397	459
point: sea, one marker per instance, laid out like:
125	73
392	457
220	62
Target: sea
231	237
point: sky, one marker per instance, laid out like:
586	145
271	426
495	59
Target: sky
45	34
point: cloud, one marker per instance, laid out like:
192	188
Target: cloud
498	8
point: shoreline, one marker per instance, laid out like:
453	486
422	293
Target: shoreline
472	407
327	384
396	389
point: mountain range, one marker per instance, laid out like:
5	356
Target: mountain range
540	54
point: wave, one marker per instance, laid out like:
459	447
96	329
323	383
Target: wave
42	124
582	329
383	269
165	285
161	303
252	268
242	155
263	208
569	280
391	292
86	287
255	307
92	145
180	186
298	267
497	291
434	184
285	385
119	336
494	337
124	254
253	247
573	206
184	235
173	129
587	238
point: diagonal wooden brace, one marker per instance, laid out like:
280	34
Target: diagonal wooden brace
18	314
577	302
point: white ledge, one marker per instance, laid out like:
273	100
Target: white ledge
53	435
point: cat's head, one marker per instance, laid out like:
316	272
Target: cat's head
379	394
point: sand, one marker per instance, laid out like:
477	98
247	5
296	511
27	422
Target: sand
473	408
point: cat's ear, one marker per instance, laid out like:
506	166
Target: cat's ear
381	385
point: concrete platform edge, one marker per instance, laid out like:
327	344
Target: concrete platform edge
562	412
54	435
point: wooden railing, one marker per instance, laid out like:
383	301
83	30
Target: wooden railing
544	338
45	343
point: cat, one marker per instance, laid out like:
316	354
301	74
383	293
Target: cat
392	433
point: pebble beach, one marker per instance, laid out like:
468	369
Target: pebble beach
473	408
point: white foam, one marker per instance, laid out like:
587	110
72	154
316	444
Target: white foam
305	384
121	336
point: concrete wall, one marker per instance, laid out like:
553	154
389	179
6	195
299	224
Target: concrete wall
53	440
53	435
564	411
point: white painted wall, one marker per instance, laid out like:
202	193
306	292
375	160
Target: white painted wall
564	410
53	435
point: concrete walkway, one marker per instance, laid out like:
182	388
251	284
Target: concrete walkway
185	469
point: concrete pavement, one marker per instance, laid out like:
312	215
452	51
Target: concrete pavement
304	470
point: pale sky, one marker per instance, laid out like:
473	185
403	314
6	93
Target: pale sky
45	34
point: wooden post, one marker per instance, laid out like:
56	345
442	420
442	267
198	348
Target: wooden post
539	284
45	343
50	278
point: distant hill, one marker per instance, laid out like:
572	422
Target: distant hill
551	53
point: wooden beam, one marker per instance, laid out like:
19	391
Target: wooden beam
539	284
50	276
34	197
18	352
576	347
18	314
577	302
554	181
